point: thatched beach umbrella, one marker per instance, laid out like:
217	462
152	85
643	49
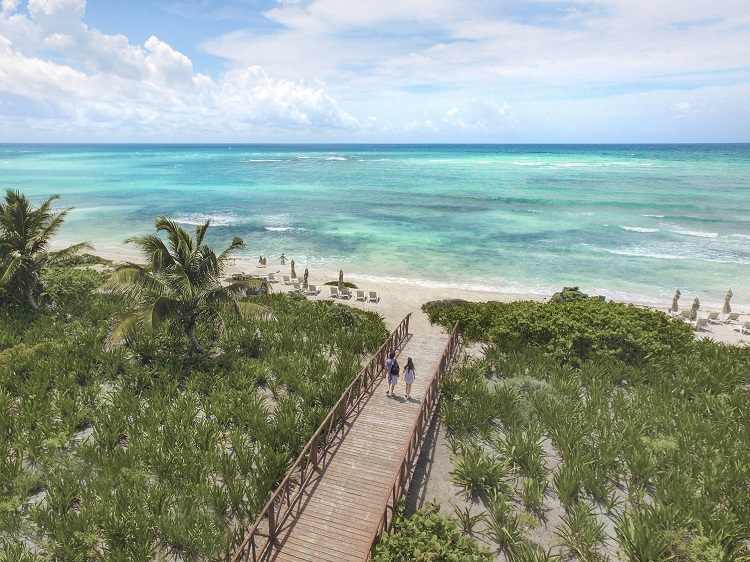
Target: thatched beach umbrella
341	280
675	299
294	273
727	309
694	309
304	280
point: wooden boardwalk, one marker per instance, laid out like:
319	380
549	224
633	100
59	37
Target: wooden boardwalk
340	509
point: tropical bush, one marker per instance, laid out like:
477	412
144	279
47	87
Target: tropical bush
149	450
651	441
427	535
571	331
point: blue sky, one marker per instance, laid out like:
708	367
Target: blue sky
374	71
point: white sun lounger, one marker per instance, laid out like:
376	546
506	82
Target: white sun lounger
312	290
713	317
296	288
744	328
374	296
345	294
702	324
334	292
360	296
732	318
272	278
287	280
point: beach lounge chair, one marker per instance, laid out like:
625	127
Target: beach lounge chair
296	288
272	278
312	290
345	294
360	296
685	314
713	317
732	318
374	296
334	292
702	324
287	280
296	280
744	328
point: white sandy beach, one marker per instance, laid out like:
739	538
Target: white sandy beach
397	299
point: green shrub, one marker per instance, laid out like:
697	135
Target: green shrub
428	535
571	332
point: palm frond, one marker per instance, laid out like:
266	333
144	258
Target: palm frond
10	267
49	225
66	253
237	243
200	232
160	310
179	239
255	310
157	253
125	329
131	280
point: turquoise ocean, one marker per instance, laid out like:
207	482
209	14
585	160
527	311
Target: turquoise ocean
631	222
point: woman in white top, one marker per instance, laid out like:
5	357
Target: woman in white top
409	375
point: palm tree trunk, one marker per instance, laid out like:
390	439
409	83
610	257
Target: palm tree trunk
28	290
194	340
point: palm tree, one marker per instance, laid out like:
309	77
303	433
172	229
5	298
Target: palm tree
180	285
25	235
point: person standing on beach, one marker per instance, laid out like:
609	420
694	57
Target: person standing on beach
392	369
409	376
282	258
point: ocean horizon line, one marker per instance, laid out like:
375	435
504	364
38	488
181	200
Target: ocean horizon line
214	144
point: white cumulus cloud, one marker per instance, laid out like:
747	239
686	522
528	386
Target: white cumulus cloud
112	89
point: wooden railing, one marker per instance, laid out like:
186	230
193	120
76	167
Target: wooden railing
262	534
414	447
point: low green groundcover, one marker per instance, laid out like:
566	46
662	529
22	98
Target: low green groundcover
428	535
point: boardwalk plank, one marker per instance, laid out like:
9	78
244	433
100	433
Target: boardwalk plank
339	512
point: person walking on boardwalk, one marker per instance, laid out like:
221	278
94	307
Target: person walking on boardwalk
409	376
392	369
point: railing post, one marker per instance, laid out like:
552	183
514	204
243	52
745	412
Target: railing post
272	521
314	451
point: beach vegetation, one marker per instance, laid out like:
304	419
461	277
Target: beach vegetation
427	535
346	284
569	294
571	332
180	285
642	450
25	237
147	451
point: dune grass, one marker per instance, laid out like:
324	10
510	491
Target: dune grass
150	450
649	456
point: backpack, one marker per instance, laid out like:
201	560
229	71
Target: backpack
394	368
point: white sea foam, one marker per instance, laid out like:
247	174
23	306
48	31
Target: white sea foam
521	163
336	158
696	233
303	157
654	216
646	254
200	218
262	160
745	236
277	228
639	229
